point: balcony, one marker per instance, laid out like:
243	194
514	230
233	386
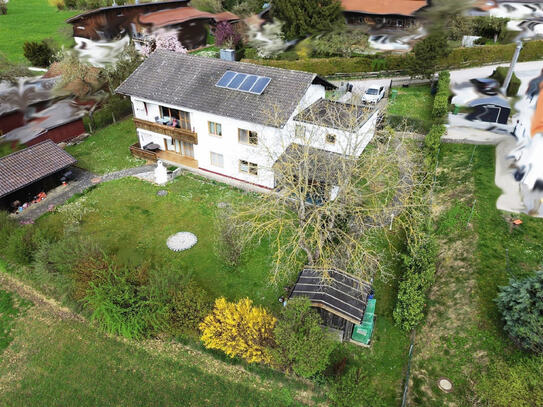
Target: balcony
177	133
168	156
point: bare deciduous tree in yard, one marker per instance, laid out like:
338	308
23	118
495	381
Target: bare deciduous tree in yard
330	209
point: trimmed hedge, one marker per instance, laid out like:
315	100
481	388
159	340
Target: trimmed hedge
458	58
500	74
441	99
431	145
114	109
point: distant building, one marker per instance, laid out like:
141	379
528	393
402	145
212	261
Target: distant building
383	13
108	23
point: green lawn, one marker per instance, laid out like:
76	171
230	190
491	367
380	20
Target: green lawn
414	102
463	337
10	307
54	362
131	220
107	149
32	20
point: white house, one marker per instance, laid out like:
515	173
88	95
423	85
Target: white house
235	119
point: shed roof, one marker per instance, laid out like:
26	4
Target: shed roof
493	100
335	115
335	291
384	7
179	15
24	167
188	81
174	3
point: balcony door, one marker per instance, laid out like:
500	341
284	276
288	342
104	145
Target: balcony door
182	118
188	149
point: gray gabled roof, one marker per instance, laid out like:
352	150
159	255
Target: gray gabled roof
338	292
189	82
27	166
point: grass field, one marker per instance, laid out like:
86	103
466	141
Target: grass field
107	149
413	102
10	308
462	338
32	20
57	361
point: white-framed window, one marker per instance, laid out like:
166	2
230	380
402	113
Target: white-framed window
248	137
299	131
331	138
217	160
248	167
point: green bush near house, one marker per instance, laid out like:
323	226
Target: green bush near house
115	109
500	74
38	53
441	99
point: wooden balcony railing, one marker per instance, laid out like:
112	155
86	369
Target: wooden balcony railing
176	133
139	152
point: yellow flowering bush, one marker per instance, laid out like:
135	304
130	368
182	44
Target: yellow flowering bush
239	329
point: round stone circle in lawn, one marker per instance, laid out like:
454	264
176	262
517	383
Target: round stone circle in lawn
162	192
181	241
445	385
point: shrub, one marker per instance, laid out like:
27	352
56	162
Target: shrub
302	345
116	108
239	329
3	7
59	4
489	26
226	35
38	53
441	99
521	306
121	304
72	4
19	247
340	43
431	144
230	239
419	266
500	74
188	308
351	389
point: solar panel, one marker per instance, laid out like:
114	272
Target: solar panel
226	78
244	82
260	85
239	78
248	83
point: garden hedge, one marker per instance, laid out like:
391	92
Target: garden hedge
458	58
114	109
441	99
500	74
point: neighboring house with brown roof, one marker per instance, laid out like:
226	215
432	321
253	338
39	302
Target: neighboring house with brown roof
230	118
383	13
27	172
107	23
191	24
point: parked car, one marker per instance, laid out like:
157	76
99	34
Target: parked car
373	94
486	86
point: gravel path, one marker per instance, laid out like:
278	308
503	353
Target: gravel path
83	180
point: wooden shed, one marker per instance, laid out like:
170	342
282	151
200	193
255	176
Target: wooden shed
339	297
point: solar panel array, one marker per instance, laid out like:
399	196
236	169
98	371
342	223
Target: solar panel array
244	82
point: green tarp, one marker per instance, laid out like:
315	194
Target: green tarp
362	333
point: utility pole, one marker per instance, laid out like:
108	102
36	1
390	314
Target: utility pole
512	67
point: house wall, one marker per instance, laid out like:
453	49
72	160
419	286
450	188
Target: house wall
61	134
271	141
11	121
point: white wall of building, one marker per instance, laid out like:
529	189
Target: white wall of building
271	141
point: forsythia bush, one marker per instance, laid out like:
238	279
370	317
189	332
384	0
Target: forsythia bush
239	329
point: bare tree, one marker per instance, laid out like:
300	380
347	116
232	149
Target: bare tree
331	208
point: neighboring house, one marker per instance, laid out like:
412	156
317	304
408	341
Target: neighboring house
27	172
383	13
18	102
108	23
191	24
59	123
232	119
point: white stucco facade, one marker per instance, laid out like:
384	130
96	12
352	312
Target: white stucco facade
272	141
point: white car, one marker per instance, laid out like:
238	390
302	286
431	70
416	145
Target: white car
373	94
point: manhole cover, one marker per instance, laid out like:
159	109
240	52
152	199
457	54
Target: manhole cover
445	385
181	241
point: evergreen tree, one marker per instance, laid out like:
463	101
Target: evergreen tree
426	55
521	306
305	17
